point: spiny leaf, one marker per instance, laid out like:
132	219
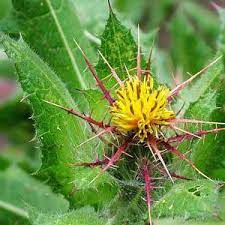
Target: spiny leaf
40	83
58	133
208	155
119	48
208	81
83	216
91	101
162	67
94	21
192	199
50	28
206	103
221	203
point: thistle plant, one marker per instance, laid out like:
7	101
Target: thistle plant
120	140
142	114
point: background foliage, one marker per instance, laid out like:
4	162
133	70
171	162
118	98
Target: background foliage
40	62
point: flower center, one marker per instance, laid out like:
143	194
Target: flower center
140	108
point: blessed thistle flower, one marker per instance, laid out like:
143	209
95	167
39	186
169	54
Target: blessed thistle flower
141	114
142	109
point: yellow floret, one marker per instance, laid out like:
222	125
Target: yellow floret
140	108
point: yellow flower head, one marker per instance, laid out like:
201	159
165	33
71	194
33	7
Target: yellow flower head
140	108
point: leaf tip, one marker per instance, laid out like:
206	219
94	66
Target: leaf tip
110	6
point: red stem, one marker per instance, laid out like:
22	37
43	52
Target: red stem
174	150
105	92
116	156
181	86
86	118
182	137
179	176
89	119
107	161
148	188
174	175
97	162
183	157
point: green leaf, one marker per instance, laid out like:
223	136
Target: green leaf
94	21
221	203
38	81
208	155
91	102
206	102
19	191
119	48
208	28
178	221
162	67
191	199
50	28
58	133
188	49
83	216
